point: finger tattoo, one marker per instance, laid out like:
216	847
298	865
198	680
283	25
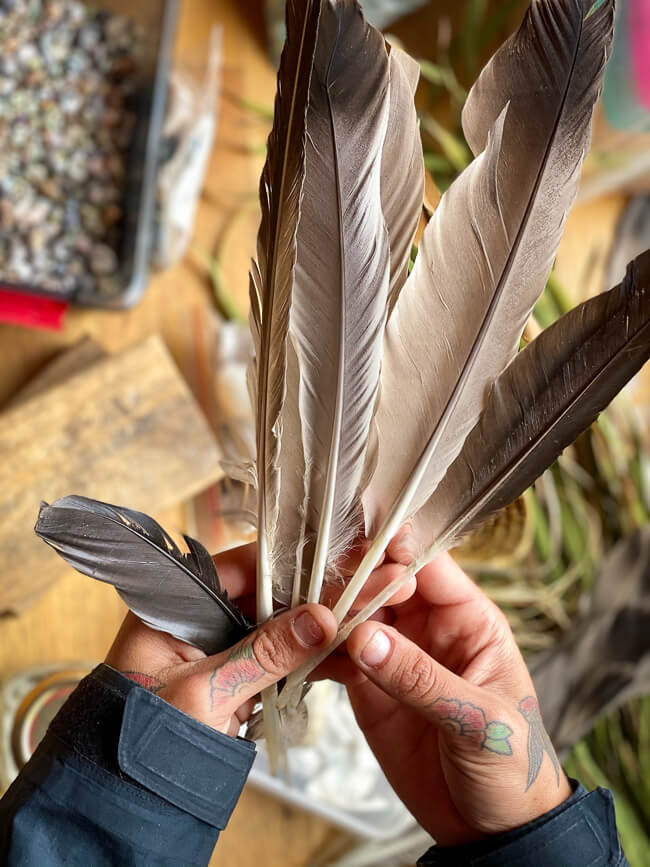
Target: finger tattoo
470	721
153	684
240	669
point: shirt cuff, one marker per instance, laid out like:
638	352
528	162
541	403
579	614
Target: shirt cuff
126	730
581	832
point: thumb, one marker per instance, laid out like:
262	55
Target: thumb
464	714
214	689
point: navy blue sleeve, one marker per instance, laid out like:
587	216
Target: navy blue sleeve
123	778
581	832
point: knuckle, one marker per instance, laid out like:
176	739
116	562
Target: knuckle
416	678
271	652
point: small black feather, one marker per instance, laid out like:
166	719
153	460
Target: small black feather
169	590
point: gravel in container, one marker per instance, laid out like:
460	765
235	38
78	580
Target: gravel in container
67	80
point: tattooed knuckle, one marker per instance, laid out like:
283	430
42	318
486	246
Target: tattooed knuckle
271	653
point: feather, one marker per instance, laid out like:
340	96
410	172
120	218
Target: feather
338	308
553	390
168	590
489	248
272	277
402	169
549	394
484	257
271	282
604	660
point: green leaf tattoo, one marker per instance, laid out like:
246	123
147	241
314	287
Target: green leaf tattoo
469	721
498	731
502	747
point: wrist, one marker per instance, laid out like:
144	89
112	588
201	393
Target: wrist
565	835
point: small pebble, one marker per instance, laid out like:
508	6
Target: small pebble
37	240
103	260
112	214
91	218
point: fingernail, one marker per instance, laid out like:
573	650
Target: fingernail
307	631
376	650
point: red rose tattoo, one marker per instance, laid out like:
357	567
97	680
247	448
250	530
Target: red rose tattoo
145	680
469	721
239	669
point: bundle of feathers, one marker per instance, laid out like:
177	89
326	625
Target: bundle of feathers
385	393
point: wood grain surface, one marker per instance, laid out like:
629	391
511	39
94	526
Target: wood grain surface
125	430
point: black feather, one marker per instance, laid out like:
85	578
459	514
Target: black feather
169	590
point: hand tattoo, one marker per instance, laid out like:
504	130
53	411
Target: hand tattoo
146	680
469	721
240	669
538	740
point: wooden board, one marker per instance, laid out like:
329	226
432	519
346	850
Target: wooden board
126	430
80	356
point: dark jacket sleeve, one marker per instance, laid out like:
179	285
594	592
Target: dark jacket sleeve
122	778
581	832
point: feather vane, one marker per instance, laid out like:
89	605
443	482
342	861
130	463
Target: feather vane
489	247
174	592
340	292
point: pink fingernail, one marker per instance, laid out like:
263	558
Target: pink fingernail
376	650
307	631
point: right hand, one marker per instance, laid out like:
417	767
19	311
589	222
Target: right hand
447	705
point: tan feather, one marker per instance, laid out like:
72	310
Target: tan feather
271	287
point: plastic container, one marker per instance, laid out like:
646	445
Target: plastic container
157	21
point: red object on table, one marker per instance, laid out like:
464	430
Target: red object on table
31	310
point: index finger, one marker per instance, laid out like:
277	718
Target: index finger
236	569
442	583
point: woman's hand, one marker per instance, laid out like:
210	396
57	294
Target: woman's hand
220	690
446	703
